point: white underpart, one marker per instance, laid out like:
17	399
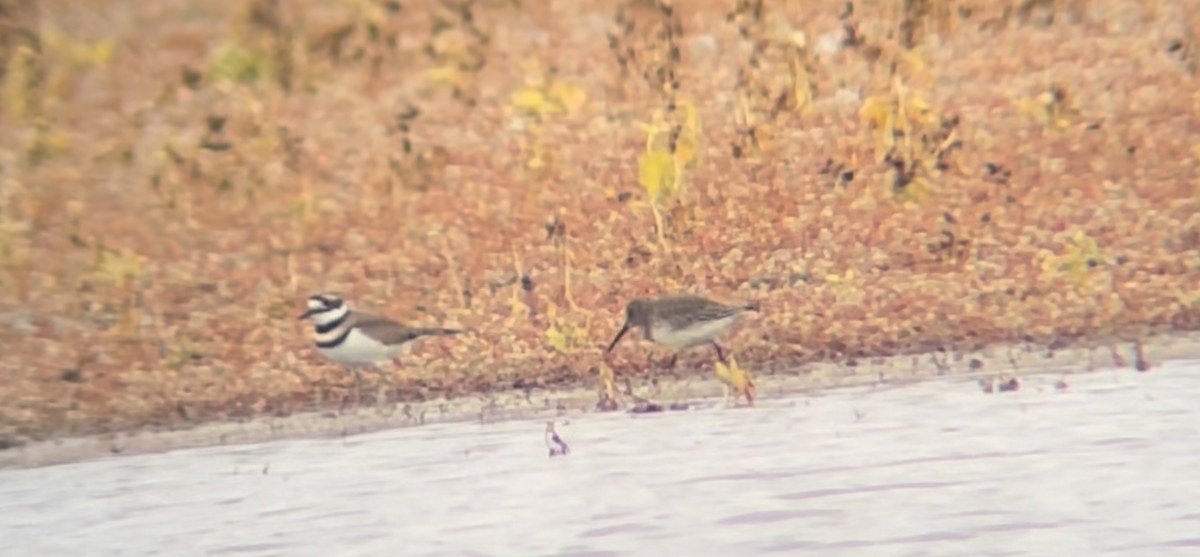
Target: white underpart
554	443
361	350
695	335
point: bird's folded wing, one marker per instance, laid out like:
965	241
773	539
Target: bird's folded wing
385	330
691	310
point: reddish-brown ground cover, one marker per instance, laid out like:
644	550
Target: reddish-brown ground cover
167	205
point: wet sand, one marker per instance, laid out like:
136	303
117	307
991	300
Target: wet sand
697	392
926	468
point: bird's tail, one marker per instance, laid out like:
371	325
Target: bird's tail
437	331
753	306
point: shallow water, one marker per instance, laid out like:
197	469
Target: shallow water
1106	467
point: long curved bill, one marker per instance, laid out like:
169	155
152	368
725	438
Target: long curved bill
620	334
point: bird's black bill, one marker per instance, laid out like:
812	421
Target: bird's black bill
621	333
308	314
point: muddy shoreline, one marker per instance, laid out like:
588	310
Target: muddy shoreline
699	392
517	171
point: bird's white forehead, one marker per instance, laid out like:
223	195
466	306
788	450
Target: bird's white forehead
314	303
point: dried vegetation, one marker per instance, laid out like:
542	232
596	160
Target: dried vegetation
905	176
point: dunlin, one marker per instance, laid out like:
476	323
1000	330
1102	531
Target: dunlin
681	321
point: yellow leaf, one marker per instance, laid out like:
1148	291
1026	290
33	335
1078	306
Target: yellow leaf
655	128
1050	263
304	206
1034	109
692	119
571	97
19	82
530	99
446	75
609	379
101	53
517	308
557	339
736	377
877	110
917	68
367	11
656	173
46	143
79	54
115	267
233	62
685	153
918	190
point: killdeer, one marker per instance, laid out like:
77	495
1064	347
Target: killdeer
357	339
680	322
555	443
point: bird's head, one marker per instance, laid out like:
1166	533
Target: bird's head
637	314
324	308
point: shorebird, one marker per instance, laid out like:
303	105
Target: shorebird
357	339
555	443
681	321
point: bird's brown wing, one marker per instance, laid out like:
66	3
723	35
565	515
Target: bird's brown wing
390	332
681	310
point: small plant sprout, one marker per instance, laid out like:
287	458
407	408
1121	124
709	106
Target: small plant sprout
776	77
658	175
1053	109
120	271
924	139
458	48
897	113
672	136
15	257
571	331
238	63
736	380
544	96
800	70
670	150
415	166
1082	255
367	35
608	389
45	144
44	72
264	44
918	14
22	72
70	57
565	335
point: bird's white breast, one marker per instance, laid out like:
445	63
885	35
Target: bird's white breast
693	335
359	349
